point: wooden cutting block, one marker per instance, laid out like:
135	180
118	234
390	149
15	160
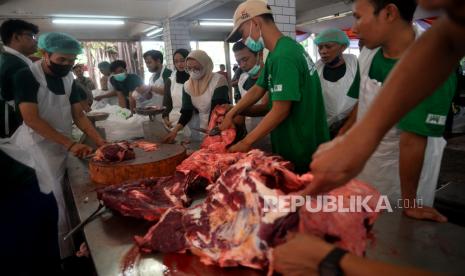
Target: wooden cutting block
161	162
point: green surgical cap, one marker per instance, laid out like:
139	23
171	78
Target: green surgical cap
332	35
104	65
59	43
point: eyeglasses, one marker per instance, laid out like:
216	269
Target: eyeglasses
31	35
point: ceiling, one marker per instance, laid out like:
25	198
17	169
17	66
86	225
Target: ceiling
141	14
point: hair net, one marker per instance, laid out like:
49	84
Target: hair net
59	43
332	35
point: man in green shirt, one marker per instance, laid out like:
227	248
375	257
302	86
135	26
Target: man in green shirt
297	119
19	39
125	83
397	164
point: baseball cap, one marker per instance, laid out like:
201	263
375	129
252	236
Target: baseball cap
244	12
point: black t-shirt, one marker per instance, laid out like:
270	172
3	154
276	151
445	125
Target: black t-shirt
27	87
9	66
334	74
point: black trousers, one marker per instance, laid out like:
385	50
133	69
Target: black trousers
29	231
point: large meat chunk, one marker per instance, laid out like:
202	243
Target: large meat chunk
230	228
146	198
115	152
348	230
218	143
208	164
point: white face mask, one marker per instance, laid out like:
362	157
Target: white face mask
196	74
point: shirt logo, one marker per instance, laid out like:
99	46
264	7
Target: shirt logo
434	119
310	64
277	88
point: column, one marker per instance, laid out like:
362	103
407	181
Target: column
175	35
284	15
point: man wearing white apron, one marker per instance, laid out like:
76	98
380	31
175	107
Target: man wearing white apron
48	99
160	75
409	156
251	64
337	72
19	39
202	92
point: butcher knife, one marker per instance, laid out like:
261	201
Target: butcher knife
84	222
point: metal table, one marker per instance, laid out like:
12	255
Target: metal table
398	240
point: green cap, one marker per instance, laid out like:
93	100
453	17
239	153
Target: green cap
59	43
332	35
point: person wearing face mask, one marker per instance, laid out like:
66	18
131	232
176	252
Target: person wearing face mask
297	119
202	93
337	73
173	97
48	98
105	83
19	39
251	63
406	164
125	84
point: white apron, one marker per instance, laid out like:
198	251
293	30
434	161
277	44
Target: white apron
203	104
46	157
382	169
175	114
250	122
12	102
157	99
337	104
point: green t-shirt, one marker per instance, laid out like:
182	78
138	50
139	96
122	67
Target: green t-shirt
129	84
166	74
290	75
429	117
27	87
354	89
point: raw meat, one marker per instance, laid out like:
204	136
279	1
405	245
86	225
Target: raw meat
115	152
218	143
144	145
230	227
349	230
208	164
147	198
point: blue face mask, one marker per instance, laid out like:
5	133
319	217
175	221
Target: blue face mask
254	45
254	70
120	76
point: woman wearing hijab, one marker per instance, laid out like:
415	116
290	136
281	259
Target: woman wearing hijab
173	97
201	93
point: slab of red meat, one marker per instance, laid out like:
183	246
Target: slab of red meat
220	142
146	198
348	230
115	152
208	164
230	227
144	145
